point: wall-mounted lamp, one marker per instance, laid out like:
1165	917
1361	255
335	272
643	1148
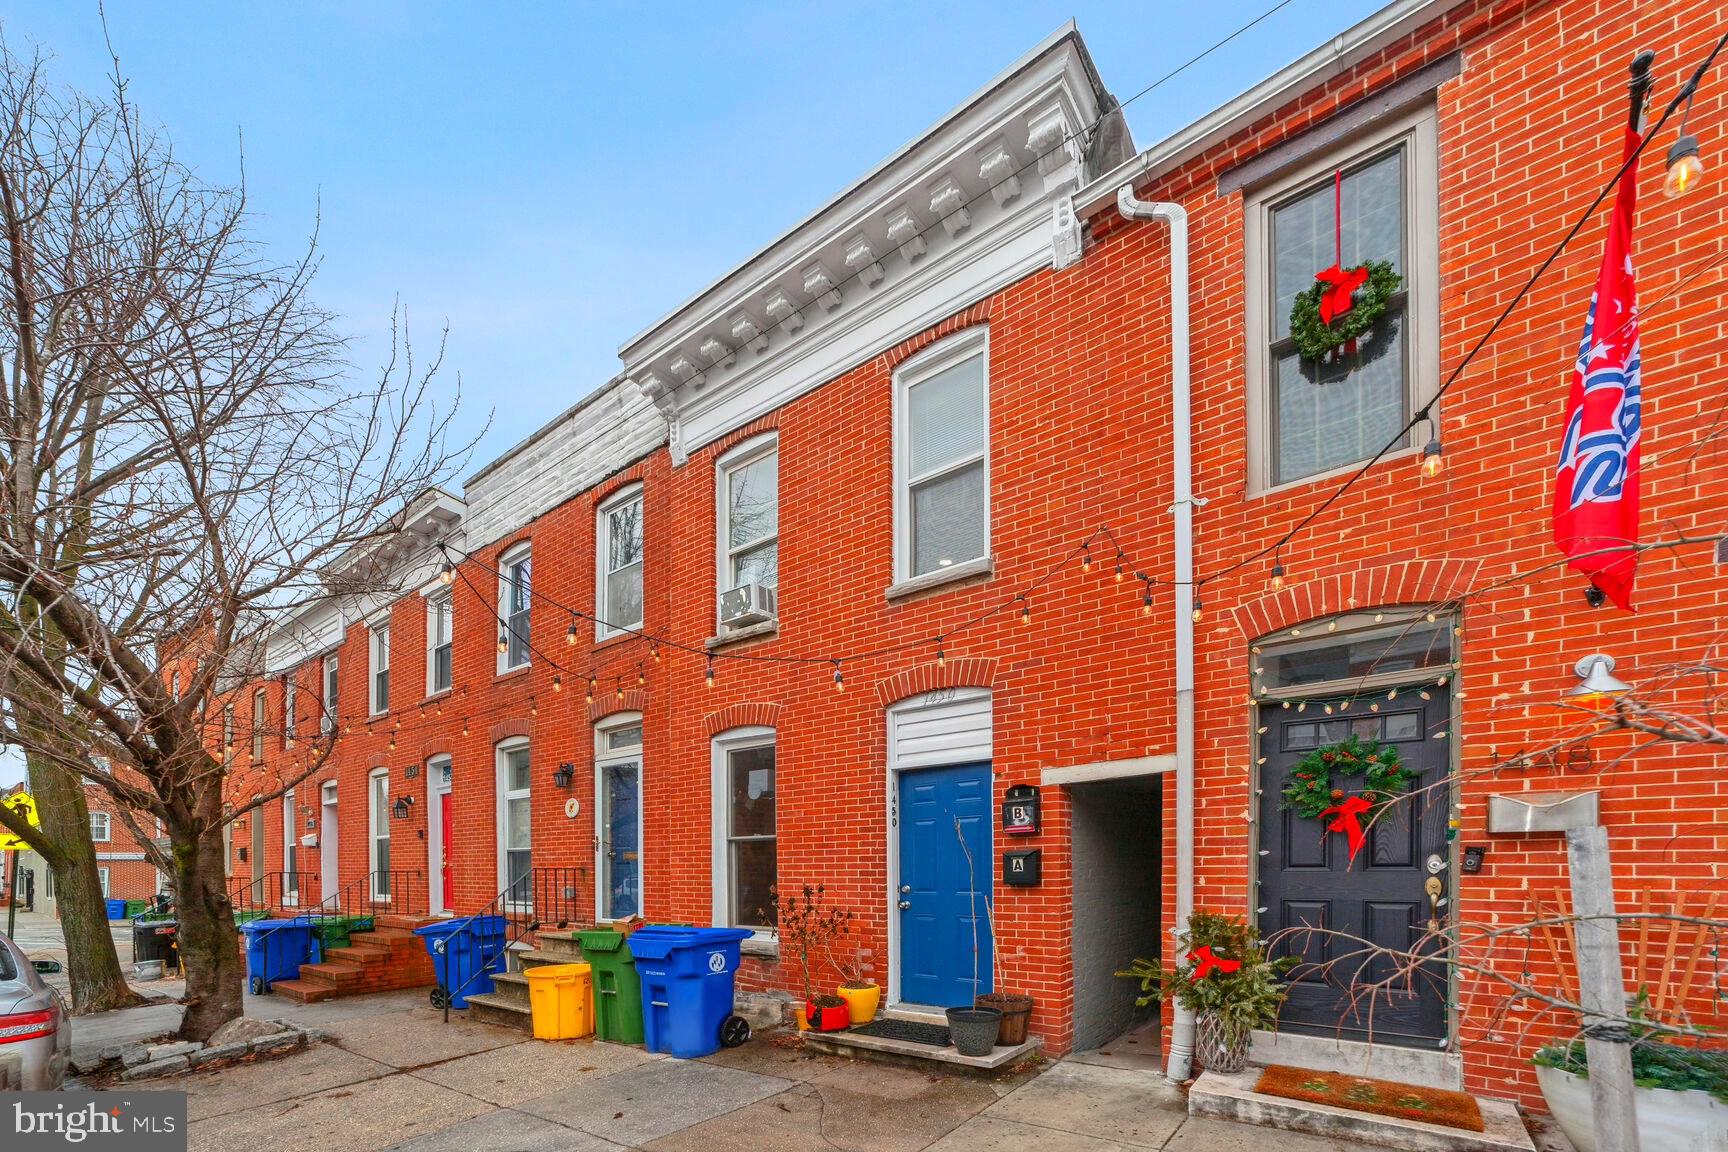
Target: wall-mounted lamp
564	775
1597	673
402	807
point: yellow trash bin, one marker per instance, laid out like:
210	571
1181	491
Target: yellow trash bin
561	998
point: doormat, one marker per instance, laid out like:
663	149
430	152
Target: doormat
909	1030
1380	1097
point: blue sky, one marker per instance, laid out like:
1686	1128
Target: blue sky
549	179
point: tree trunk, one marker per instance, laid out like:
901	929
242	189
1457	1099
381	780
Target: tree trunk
209	942
92	964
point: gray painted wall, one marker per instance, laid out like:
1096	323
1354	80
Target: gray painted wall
1117	915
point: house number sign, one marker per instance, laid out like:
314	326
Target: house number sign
1020	811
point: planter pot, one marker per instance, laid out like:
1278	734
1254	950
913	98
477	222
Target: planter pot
1219	1049
1016	1011
861	1002
1668	1121
827	1014
801	1013
973	1030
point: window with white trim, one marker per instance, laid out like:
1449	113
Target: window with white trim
102	878
101	830
515	823
942	456
227	730
380	669
332	680
746	856
749	528
618	544
378	816
515	603
618	815
1375	202
259	720
290	708
440	642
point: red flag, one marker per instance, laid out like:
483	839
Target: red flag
1596	480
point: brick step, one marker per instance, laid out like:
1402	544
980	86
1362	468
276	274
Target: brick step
304	991
361	954
490	1008
332	975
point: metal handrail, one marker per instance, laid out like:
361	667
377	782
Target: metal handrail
544	895
346	900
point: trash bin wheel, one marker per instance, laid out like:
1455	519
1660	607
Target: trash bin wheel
438	998
259	987
734	1030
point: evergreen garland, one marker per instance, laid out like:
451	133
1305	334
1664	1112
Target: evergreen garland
1315	339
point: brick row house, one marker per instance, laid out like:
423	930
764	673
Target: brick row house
886	527
122	864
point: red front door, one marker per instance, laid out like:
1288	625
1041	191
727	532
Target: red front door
447	827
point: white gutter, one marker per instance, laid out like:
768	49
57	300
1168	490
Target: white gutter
1181	1061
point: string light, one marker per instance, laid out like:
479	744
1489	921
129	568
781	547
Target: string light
941	656
446	574
557	682
1277	580
641	676
1685	166
503	639
1025	609
570	633
709	675
533	708
590	688
839	680
1433	462
1085	558
464	725
620	687
1199	612
654	651
1145	596
1121	573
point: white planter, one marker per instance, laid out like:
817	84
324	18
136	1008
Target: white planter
1668	1121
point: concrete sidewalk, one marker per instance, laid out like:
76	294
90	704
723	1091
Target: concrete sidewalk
394	1075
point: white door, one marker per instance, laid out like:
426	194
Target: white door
290	852
328	856
437	851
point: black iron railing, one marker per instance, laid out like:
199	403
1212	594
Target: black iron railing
368	896
543	897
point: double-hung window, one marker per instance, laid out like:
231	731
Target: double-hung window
259	719
227	730
515	825
1375	202
746	856
515	599
290	708
942	457
618	542
440	633
380	646
378	847
327	724
750	515
100	829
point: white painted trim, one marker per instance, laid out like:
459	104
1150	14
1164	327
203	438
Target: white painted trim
433	603
1128	769
720	886
929	362
437	900
375	650
330	703
604	626
116	856
891	863
503	794
329	838
501	616
604	758
291	843
739	455
107	836
372	826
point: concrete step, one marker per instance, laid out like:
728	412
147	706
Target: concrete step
559	943
538	958
908	1054
490	1008
511	986
1232	1097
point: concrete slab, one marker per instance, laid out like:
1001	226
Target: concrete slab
1204	1134
416	1037
905	1051
789	1061
988	1134
1138	1109
371	1114
1233	1098
1137	1050
91	1034
519	1072
654	1100
246	1086
507	1130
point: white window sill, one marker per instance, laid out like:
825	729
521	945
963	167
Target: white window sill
984	566
1331	474
764	946
738	635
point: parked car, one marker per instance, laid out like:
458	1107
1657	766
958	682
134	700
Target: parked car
35	1028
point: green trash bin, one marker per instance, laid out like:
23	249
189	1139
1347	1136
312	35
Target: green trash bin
249	915
617	991
136	908
334	931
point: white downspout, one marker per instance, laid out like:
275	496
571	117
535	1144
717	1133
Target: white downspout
1181	1061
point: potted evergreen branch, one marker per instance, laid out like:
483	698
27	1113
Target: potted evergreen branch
1225	979
973	1030
809	925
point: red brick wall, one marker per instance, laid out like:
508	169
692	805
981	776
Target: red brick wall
1079	428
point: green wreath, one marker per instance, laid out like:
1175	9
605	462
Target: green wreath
1314	338
1310	790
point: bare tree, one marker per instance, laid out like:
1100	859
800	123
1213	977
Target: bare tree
184	460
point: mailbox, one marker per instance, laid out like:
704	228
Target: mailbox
1020	811
1024	868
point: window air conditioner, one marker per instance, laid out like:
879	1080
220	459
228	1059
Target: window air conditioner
747	604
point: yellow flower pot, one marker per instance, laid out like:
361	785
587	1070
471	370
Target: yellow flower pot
861	1002
798	1011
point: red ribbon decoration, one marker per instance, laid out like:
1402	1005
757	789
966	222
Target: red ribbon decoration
1206	963
1347	822
1341	284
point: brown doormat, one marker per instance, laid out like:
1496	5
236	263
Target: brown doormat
1380	1097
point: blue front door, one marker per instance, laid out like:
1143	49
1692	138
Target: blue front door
943	923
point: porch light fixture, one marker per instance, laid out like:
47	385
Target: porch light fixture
564	775
401	809
1597	673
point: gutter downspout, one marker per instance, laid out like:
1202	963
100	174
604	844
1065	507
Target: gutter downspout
1181	1060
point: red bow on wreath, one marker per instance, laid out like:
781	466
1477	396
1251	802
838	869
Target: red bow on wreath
1341	285
1206	963
1347	822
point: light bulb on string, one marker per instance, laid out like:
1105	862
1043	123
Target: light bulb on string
464	725
839	680
446	574
941	655
1085	558
591	688
1433	459
503	639
641	677
1199	612
709	675
533	708
1145	597
619	684
557	682
1025	610
1276	580
1121	572
570	632
1685	168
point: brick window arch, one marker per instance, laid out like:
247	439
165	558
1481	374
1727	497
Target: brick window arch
969	672
1410	582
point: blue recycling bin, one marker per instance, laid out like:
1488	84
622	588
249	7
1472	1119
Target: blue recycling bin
687	986
116	909
275	949
465	952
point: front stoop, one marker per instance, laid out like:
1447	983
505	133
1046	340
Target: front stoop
925	1056
386	958
1232	1097
507	1004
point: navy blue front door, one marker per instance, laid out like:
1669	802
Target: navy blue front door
941	914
